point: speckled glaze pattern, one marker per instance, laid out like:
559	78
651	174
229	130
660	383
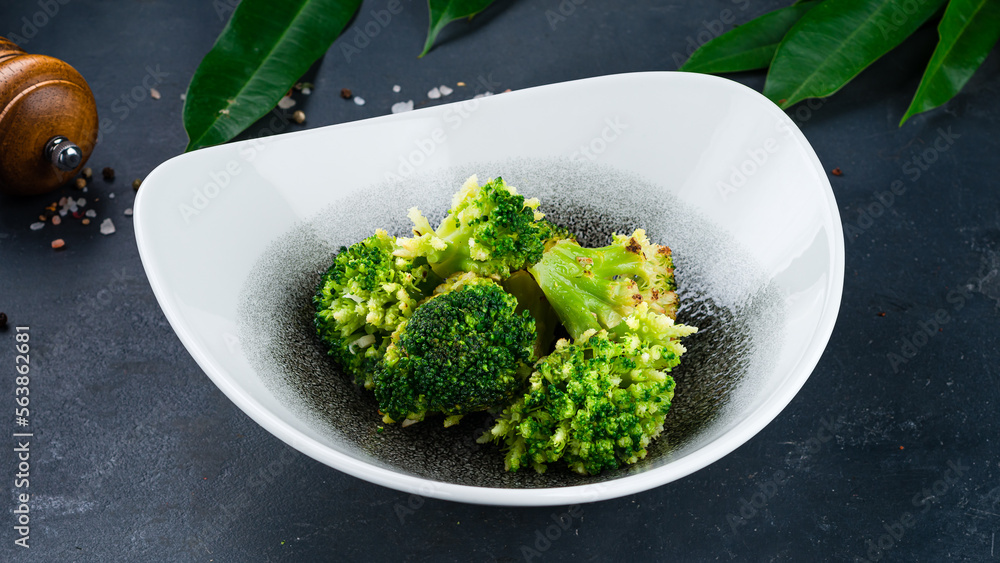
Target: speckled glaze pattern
722	292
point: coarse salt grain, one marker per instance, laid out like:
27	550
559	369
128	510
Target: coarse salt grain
91	213
359	100
111	195
81	202
434	94
107	227
36	225
128	212
445	90
62	200
307	90
396	88
286	102
154	93
400	107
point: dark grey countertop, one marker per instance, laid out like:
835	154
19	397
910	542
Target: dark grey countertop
137	456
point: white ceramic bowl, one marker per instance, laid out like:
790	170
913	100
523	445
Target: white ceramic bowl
231	238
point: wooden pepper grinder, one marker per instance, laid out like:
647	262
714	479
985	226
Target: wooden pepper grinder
48	121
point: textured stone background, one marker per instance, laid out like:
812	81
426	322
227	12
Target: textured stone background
137	456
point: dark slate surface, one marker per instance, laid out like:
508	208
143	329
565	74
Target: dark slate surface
136	456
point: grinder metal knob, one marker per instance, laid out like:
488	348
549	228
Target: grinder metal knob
48	121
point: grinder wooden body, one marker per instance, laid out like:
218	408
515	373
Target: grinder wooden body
41	98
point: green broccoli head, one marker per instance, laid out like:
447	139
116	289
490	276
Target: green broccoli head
555	233
595	288
465	349
595	403
490	230
363	298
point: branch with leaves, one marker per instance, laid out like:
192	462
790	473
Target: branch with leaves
812	49
265	48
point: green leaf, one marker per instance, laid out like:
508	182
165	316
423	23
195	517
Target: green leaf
444	12
968	31
835	41
262	51
748	47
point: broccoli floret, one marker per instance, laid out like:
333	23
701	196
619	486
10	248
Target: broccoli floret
363	298
465	349
595	288
595	403
490	230
555	233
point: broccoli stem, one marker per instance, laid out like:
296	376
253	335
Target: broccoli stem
588	287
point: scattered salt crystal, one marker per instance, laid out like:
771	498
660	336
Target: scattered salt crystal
111	195
73	207
81	202
396	88
183	96
483	95
62	200
84	190
91	213
307	90
286	102
359	100
36	225
434	94
445	90
56	220
400	107
107	227
128	212
63	212
154	93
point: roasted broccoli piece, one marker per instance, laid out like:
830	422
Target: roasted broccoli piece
363	298
465	349
555	233
595	403
595	288
490	230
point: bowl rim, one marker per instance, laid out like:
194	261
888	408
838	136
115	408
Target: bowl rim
753	421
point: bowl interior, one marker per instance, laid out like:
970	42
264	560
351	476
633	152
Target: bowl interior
233	240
